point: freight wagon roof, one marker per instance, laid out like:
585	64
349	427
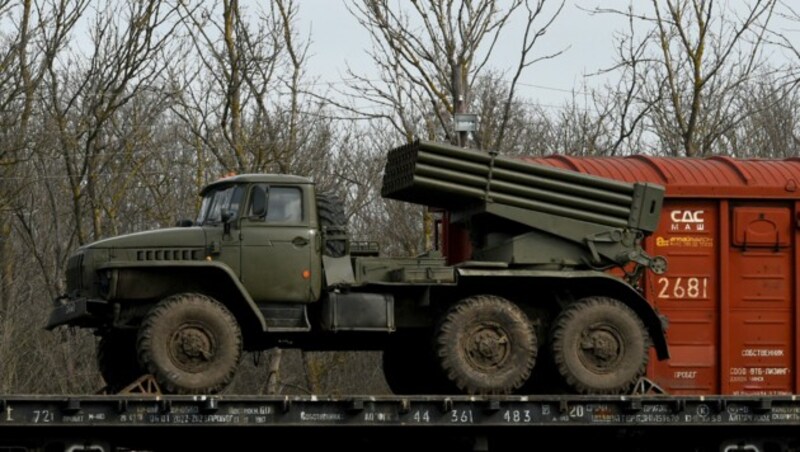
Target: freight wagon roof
716	177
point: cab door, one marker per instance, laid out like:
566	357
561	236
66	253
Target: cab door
277	246
222	241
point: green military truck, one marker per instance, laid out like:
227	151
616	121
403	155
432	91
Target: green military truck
269	263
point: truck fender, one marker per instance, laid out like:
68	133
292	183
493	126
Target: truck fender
242	301
586	283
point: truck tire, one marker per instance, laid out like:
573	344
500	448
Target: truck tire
117	361
486	345
331	213
600	346
191	344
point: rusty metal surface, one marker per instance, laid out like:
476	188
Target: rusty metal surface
688	294
729	294
718	177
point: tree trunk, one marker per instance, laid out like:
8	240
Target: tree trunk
6	267
273	371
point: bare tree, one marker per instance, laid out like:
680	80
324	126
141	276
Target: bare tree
699	55
784	41
41	30
84	114
771	126
624	102
36	32
242	102
131	45
431	54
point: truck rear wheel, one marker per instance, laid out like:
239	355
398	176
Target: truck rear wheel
191	344
486	345
116	359
600	346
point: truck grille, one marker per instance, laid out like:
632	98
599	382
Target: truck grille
75	272
169	255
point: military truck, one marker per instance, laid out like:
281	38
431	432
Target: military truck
269	263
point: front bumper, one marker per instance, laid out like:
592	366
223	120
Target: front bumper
81	312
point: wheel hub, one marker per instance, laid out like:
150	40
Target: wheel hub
487	347
191	347
601	348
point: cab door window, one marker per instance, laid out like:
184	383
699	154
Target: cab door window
219	200
284	204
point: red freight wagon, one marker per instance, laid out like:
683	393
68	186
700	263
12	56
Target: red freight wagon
729	230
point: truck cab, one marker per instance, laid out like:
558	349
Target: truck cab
265	229
253	258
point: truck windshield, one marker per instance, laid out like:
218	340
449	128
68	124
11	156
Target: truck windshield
219	200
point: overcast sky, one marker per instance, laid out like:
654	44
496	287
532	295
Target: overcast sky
338	40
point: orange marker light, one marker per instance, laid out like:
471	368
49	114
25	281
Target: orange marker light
306	274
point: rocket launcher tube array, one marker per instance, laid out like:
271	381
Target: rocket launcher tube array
512	164
450	177
524	179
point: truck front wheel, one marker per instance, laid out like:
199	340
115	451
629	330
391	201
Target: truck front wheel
191	344
600	346
486	345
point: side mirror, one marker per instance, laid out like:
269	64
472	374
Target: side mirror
259	205
226	216
184	223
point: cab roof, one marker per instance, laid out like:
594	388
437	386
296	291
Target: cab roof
257	179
